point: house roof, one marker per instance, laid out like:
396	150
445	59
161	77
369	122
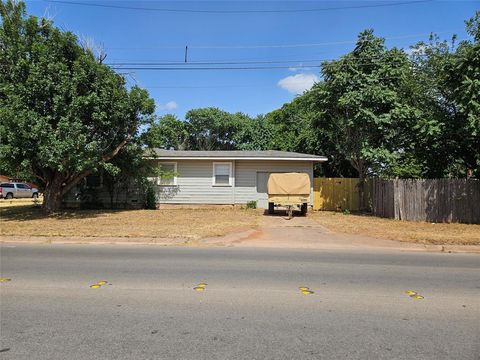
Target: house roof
235	155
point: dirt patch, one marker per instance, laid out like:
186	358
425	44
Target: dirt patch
405	231
191	224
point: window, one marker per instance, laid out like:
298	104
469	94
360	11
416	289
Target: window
23	186
222	174
169	171
7	185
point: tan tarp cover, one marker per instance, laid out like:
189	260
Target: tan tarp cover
289	184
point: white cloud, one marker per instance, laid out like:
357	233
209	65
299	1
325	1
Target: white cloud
416	51
297	84
171	105
299	67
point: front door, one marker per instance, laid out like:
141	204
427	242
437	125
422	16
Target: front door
262	192
23	191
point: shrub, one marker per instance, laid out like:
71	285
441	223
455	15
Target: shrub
252	204
150	198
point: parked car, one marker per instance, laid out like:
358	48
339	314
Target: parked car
12	190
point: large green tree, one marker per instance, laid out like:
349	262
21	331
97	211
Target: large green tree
214	129
365	102
463	78
431	139
448	76
167	132
63	114
209	129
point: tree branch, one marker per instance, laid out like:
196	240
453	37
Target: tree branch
115	151
75	180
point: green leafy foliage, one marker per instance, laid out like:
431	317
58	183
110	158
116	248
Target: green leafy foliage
167	132
375	111
209	129
150	198
63	113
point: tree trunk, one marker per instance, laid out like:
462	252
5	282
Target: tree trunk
53	196
56	187
361	192
359	165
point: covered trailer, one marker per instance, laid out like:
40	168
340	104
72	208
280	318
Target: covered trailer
290	191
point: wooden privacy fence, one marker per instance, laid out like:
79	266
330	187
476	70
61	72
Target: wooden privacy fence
433	200
337	194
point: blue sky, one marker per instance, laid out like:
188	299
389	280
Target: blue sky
129	35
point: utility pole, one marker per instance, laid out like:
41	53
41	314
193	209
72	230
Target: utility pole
186	53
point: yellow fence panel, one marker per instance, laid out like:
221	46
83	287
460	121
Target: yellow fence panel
337	194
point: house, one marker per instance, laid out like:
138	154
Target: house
225	177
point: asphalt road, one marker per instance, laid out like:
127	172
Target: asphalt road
251	308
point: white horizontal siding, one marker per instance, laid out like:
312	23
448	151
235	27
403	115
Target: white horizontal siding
246	177
194	185
194	181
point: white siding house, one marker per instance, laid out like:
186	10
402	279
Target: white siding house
225	177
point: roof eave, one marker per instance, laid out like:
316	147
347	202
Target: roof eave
317	159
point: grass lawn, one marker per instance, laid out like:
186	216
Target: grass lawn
408	231
17	202
26	220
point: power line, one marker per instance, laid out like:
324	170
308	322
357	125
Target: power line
271	11
299	62
206	86
237	85
274	46
178	63
194	66
256	58
279	46
211	68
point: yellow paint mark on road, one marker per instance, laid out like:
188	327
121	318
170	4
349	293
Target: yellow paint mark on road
202	285
95	286
2	280
102	282
303	288
418	297
307	292
199	288
414	295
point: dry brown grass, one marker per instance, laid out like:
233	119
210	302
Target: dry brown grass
181	223
408	231
17	202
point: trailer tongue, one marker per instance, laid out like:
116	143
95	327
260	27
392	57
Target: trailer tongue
290	191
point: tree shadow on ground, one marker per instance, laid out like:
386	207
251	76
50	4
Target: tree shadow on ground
283	213
33	212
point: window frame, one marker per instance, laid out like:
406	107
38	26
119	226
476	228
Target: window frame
159	178
230	176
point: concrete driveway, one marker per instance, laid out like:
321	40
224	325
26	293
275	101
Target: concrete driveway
300	232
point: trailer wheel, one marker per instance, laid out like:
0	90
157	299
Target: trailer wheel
304	209
271	208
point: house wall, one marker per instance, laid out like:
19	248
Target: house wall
194	185
194	182
125	196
